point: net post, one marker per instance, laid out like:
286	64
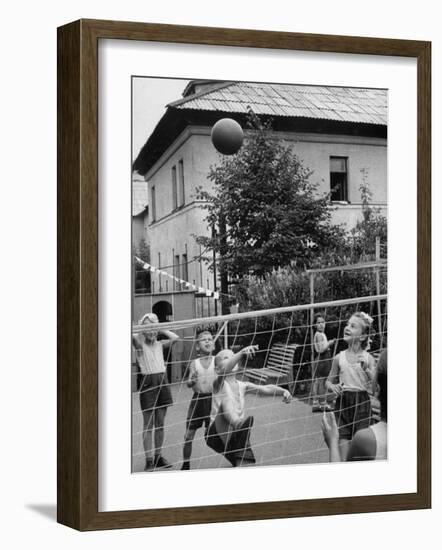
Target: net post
312	315
378	287
312	301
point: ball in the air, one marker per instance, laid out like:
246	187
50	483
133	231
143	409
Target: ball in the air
227	136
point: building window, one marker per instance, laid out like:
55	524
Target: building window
160	286
153	204
174	189
184	268
176	272
181	183
339	179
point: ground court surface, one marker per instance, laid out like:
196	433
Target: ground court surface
281	434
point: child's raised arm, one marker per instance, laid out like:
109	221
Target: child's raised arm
319	343
171	337
331	436
269	389
135	341
225	362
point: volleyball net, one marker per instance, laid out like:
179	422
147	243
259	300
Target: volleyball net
286	356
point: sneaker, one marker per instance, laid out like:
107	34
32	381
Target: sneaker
185	466
326	408
149	467
161	463
316	408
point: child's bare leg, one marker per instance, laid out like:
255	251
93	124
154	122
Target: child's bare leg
344	447
188	440
160	416
315	390
147	433
159	461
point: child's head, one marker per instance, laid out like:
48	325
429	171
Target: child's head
204	342
220	359
357	330
148	319
320	322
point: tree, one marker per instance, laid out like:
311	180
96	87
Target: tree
265	211
372	225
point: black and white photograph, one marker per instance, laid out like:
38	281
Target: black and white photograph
259	274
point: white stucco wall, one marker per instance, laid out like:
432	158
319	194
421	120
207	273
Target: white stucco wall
138	230
369	154
171	235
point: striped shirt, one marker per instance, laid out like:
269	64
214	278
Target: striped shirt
150	358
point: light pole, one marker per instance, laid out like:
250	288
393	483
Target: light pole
214	269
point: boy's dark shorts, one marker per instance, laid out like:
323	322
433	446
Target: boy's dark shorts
352	413
155	392
199	411
238	445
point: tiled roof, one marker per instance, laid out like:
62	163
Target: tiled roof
139	195
360	105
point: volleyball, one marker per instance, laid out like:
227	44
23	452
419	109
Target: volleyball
227	136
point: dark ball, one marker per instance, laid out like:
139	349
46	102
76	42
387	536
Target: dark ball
227	136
